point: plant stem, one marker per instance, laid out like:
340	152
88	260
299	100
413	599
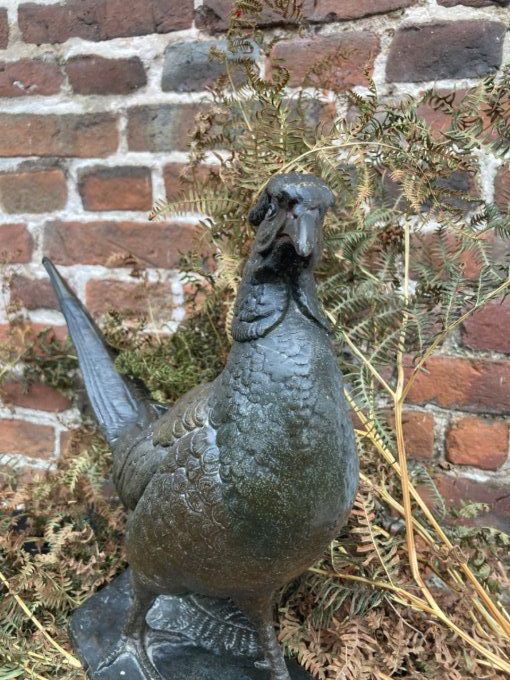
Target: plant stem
421	605
371	368
388	456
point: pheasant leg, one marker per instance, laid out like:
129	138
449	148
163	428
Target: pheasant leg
260	613
133	638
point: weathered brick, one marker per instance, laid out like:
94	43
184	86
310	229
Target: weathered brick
33	191
214	15
436	118
332	10
29	77
161	128
120	188
194	297
427	248
418	433
83	136
32	293
313	113
456	489
475	3
334	62
29	439
92	74
154	244
502	188
101	19
16	243
439	120
478	442
4	29
35	396
175	183
188	66
25	333
75	441
480	386
454	49
489	328
153	300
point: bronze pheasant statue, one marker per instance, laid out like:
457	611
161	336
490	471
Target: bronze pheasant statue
241	485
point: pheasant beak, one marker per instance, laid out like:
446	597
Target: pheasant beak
302	227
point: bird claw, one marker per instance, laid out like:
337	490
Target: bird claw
123	646
135	647
262	665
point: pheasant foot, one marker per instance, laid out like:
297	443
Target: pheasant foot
260	613
133	640
136	646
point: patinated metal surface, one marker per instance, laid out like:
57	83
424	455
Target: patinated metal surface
240	486
189	638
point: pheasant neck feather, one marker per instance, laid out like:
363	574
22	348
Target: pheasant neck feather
264	296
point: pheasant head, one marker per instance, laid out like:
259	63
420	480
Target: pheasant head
288	217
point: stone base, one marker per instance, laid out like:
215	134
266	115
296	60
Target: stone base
189	638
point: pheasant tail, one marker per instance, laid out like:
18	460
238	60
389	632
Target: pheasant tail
114	400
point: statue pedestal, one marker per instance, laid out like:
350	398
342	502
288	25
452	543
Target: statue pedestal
189	638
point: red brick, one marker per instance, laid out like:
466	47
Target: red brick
87	135
36	396
101	19
16	243
440	121
425	249
418	433
454	49
153	300
24	334
154	244
4	29
29	77
33	191
29	439
75	441
161	128
176	182
333	10
480	443
481	386
121	188
91	74
312	114
502	188
457	491
214	15
194	297
489	329
340	60
32	293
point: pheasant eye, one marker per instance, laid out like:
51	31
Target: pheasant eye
271	212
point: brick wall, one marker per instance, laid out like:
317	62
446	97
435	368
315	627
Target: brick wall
96	97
